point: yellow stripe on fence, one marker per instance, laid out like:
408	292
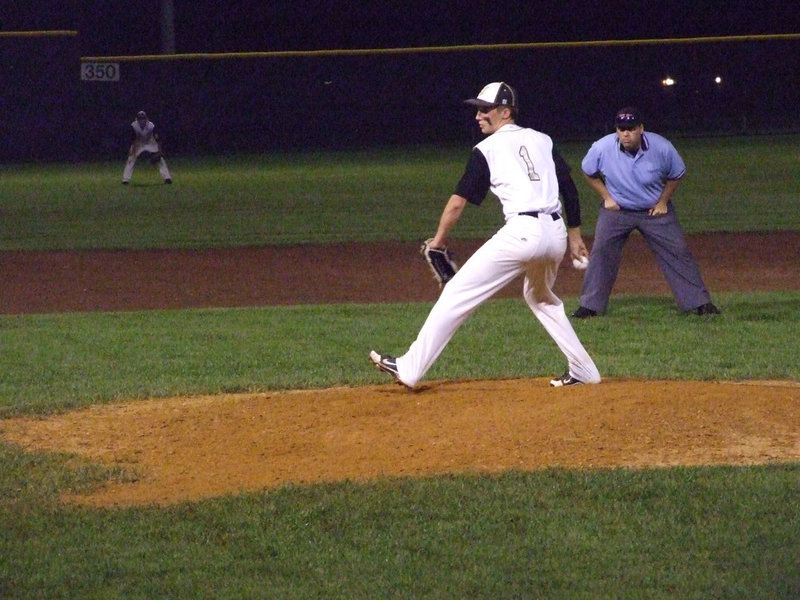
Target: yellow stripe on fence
457	48
29	34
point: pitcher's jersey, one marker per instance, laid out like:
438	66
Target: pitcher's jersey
518	166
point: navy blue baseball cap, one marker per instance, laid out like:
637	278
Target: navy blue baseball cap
629	116
498	93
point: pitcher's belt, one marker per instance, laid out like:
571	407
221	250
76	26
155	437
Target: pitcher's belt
536	213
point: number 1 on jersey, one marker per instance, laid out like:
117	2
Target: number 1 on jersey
532	174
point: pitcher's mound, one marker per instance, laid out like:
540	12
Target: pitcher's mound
190	448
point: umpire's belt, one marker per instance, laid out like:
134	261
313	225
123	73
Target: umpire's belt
536	213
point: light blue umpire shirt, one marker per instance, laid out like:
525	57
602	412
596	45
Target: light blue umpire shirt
635	182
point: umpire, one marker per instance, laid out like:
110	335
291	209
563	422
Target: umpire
636	173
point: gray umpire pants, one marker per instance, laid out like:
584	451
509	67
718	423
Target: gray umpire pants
663	236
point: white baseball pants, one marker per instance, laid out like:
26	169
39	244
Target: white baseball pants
534	246
128	171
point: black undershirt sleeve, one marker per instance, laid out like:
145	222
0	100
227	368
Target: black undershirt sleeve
567	190
474	183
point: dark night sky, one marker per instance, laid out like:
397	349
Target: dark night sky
112	27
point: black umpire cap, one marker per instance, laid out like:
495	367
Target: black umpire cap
628	116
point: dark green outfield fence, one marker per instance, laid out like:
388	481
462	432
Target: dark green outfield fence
328	100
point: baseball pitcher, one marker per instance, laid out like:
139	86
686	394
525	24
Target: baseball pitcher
526	173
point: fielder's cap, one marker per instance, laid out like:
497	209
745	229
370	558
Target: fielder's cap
629	116
141	115
498	93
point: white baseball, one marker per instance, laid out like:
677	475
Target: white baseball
580	263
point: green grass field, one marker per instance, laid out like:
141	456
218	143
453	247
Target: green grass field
676	533
732	184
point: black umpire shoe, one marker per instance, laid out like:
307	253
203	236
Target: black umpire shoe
707	309
584	313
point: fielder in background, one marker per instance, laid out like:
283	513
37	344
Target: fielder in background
636	174
145	144
524	170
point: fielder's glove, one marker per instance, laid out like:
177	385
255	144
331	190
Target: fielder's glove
440	261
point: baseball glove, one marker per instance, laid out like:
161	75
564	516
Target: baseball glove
440	261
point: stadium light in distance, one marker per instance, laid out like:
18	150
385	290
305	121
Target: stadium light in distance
668	82
718	80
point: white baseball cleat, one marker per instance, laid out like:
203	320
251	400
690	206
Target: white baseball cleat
387	364
565	380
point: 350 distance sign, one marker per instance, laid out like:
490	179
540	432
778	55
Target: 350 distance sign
99	71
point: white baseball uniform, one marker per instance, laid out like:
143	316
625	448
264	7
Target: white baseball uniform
144	139
522	168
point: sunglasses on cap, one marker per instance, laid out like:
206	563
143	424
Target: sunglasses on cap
627	121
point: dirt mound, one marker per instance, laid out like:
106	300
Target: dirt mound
191	448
